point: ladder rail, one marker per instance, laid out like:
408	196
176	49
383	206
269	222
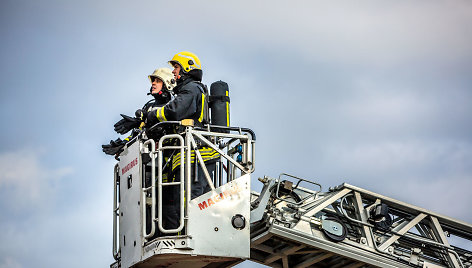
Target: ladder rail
414	235
403	229
151	189
180	183
444	220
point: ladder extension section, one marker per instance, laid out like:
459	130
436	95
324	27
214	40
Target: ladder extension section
349	226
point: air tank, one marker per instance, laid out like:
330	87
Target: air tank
219	105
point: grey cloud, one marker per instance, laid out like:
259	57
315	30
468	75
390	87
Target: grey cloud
59	218
9	263
25	181
374	94
377	33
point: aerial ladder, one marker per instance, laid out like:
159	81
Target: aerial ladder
292	222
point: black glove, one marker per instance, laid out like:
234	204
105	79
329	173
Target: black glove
126	124
115	147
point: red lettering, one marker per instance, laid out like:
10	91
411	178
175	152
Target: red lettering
217	198
202	205
129	166
210	202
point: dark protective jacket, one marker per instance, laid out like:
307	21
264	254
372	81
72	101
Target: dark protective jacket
150	107
188	104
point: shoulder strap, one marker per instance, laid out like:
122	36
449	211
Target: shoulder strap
204	115
203	88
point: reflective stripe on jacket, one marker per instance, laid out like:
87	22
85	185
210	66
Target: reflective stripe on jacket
188	104
207	154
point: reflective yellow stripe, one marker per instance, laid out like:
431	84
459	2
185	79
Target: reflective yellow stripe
157	114
128	138
227	110
160	114
206	153
203	108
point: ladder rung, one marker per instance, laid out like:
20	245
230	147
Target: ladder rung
171	183
171	147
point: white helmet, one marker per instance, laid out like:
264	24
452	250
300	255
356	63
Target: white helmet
166	76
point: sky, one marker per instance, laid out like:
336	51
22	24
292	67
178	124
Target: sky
377	94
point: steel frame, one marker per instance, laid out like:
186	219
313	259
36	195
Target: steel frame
417	236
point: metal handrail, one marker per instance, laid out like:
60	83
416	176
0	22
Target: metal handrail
214	147
296	187
161	148
144	192
163	124
185	148
248	130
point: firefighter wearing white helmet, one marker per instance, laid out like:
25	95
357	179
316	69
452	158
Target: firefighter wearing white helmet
162	84
166	79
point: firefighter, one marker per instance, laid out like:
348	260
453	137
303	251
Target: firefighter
189	103
162	84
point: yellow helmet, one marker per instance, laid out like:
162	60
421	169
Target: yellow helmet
187	60
165	75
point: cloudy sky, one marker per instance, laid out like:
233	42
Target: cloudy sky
377	94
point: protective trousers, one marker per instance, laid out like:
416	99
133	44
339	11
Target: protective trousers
199	186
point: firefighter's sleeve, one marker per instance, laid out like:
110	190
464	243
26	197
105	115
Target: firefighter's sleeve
183	106
133	134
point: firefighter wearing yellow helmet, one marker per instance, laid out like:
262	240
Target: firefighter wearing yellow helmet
189	103
189	65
